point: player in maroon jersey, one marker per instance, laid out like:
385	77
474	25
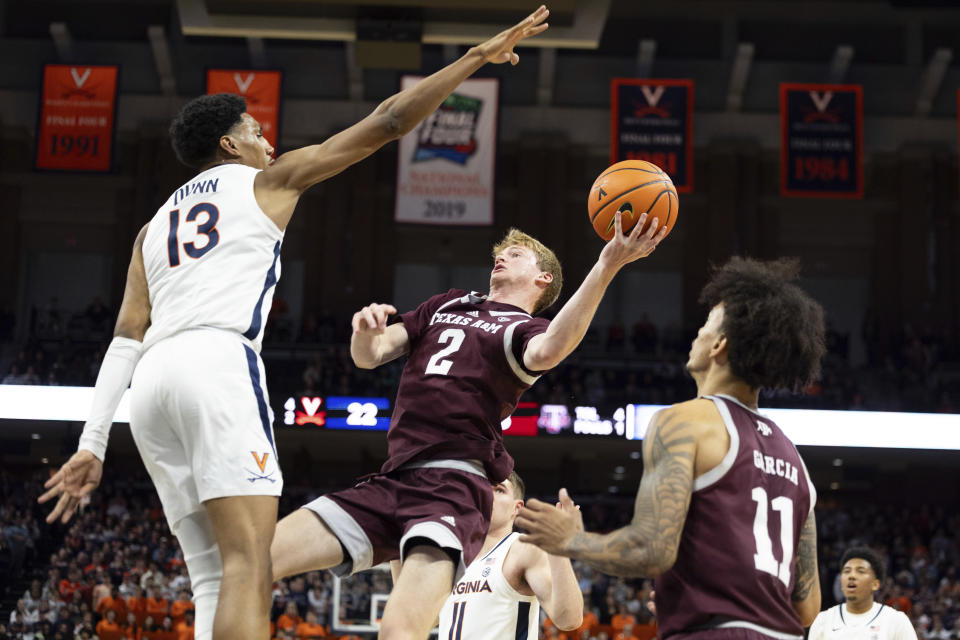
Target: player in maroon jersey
470	356
724	514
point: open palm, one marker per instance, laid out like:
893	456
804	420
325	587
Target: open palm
499	48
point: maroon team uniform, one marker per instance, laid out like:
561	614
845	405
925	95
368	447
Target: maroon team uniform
463	377
734	570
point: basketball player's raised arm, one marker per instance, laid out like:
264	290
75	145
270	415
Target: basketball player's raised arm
647	547
547	350
555	584
297	170
373	343
82	472
806	587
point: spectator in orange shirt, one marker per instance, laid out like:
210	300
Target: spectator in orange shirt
137	605
185	627
70	586
310	628
157	606
180	606
131	628
167	632
622	619
290	618
115	603
149	630
109	628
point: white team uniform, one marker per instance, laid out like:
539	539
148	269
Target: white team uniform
483	605
879	623
200	413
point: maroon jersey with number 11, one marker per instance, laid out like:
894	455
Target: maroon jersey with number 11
463	377
735	562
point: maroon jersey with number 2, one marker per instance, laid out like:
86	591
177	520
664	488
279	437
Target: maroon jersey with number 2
734	567
463	377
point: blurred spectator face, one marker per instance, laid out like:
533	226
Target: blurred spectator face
291	609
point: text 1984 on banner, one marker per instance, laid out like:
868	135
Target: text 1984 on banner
652	120
446	165
76	117
822	140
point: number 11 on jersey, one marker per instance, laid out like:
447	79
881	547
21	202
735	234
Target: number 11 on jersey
764	559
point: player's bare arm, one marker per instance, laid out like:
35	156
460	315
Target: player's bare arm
133	320
279	186
81	474
373	343
552	580
647	547
806	586
565	332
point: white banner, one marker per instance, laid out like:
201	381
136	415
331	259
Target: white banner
446	166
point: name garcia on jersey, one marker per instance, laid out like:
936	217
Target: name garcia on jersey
453	318
775	467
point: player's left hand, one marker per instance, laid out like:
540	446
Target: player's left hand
624	249
73	482
551	528
499	48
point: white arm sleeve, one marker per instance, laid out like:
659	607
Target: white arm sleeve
116	371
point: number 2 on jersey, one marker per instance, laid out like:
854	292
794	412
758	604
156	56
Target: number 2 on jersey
207	228
763	559
436	364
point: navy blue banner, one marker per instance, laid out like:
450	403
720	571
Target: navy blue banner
822	140
652	120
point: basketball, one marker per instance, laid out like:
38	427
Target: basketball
632	187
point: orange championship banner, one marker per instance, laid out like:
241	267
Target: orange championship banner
76	117
261	89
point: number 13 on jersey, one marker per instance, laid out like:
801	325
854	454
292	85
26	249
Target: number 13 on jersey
207	228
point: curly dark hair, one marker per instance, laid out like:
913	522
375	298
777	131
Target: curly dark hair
774	330
865	553
195	132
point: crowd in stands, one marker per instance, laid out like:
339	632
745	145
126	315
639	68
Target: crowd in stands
916	370
115	572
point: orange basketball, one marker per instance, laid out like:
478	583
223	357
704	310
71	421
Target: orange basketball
632	187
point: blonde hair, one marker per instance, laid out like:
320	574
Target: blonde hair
546	261
519	486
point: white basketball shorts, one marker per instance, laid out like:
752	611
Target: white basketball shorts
201	419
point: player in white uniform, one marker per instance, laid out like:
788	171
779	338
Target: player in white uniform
499	595
860	618
198	290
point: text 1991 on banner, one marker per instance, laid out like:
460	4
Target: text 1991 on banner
76	117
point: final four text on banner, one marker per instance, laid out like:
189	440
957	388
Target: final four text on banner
261	90
652	120
822	140
76	117
446	165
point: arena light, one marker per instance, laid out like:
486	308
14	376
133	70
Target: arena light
805	427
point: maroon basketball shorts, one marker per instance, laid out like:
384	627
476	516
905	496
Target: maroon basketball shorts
746	632
445	503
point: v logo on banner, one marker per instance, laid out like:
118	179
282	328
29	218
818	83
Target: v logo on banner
243	84
79	79
652	94
820	101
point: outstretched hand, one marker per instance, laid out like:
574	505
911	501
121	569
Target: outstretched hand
624	249
73	482
499	48
551	528
372	319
